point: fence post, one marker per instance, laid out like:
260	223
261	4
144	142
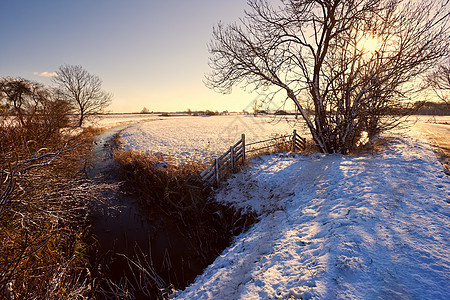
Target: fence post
294	137
232	158
216	171
243	148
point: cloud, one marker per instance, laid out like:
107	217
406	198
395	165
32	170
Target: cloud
46	74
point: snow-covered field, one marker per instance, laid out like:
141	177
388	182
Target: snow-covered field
331	226
338	227
200	138
430	119
112	120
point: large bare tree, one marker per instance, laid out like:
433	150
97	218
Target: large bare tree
353	62
83	90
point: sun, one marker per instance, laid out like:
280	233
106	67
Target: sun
369	43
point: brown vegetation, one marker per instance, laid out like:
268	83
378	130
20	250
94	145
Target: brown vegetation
43	206
174	194
277	143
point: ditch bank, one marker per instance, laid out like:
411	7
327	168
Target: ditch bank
159	228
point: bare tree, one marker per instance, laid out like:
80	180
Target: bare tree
439	81
83	90
352	61
145	110
36	106
18	93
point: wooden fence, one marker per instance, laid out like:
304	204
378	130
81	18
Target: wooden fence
226	164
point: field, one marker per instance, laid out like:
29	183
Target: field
201	138
330	226
114	120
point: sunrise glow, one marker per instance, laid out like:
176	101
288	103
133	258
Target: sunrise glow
369	43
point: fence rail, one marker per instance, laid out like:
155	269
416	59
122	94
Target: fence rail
226	164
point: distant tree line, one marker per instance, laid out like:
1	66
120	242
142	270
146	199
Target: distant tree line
432	108
204	112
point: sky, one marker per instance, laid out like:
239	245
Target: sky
149	53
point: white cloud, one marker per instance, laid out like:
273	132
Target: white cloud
46	74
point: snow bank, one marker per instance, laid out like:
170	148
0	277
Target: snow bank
335	227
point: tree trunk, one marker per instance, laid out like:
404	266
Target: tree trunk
80	122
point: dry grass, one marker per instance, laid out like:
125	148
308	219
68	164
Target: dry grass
284	144
373	147
44	203
172	188
174	194
281	144
142	282
311	147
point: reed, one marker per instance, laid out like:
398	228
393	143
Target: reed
174	194
44	200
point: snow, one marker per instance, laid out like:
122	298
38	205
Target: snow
338	227
430	119
112	120
331	226
201	138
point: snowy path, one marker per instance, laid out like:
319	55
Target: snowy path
338	227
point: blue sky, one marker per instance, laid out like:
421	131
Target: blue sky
148	53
